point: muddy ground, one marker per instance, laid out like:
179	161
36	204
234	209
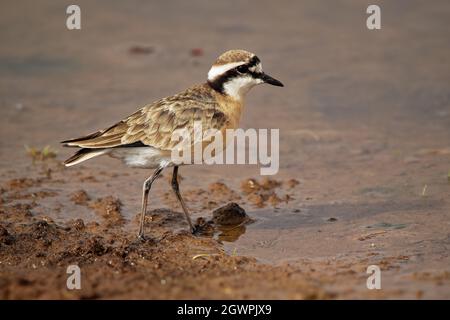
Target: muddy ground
364	152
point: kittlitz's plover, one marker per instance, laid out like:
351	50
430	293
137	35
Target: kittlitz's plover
143	139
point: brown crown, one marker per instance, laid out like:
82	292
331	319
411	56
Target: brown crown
233	56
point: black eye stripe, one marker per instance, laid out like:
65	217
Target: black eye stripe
255	75
242	68
253	61
218	83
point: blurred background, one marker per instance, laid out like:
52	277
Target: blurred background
128	54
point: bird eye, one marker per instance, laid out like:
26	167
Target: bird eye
242	69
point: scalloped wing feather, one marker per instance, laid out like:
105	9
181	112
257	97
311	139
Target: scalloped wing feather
154	124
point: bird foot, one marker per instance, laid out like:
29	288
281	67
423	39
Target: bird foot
195	230
141	237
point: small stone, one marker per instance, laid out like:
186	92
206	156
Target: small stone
230	214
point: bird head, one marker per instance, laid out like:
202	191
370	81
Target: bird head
235	72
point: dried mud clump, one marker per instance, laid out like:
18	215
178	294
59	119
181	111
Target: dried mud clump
5	237
205	227
16	212
262	193
220	190
97	246
109	209
230	214
249	186
77	224
292	183
80	197
228	223
258	193
42	230
217	193
19	189
22	183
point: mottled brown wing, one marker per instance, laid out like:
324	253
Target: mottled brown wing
154	124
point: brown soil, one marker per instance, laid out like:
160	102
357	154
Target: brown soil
35	252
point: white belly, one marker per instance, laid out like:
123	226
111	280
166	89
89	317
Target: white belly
141	157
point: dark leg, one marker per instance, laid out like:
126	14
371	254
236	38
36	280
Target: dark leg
176	189
145	190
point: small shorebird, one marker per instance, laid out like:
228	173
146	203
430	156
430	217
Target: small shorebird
143	139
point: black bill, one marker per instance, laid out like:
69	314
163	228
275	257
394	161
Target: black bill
268	79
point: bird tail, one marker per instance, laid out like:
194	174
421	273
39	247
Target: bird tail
84	154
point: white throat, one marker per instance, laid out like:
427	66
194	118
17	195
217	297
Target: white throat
237	88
